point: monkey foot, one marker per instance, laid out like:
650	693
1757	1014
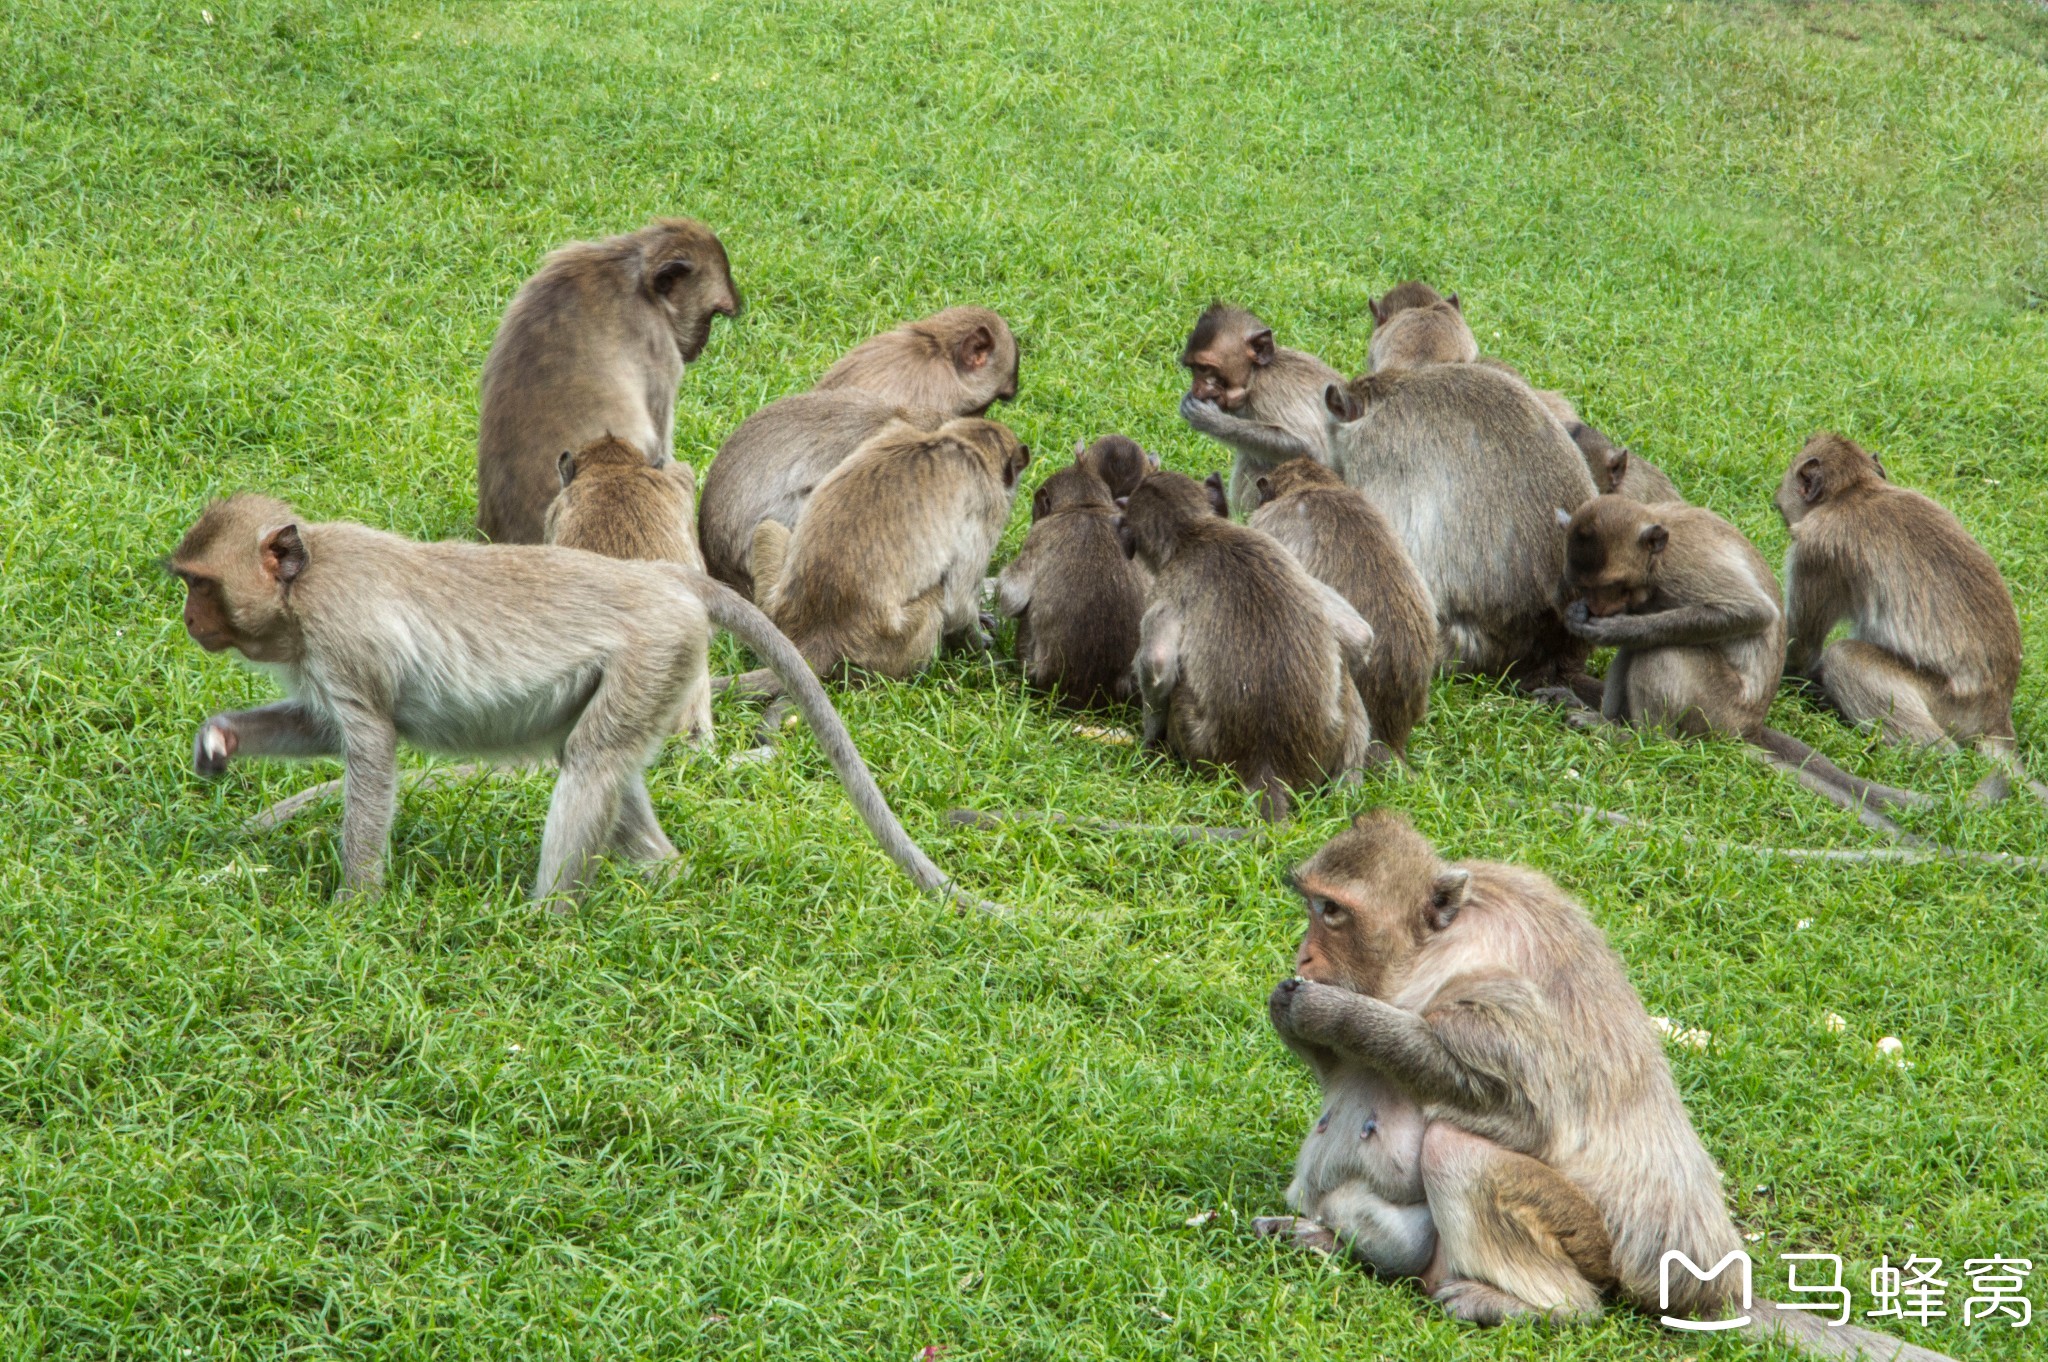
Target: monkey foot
1297	1230
1480	1303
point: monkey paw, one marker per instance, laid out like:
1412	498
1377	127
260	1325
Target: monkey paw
1297	1230
214	747
1206	417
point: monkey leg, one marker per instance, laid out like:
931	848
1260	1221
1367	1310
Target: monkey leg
369	799
1872	686
637	834
1515	1238
615	737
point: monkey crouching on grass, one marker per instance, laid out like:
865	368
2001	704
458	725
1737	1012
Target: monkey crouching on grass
1498	1117
489	650
1933	654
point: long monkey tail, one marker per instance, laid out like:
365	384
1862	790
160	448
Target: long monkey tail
732	611
1829	781
1817	1338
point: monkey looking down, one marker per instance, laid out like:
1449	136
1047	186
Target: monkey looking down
593	344
1414	325
1261	399
612	502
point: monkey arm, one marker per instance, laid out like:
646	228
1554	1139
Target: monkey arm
1158	667
1682	626
287	728
1267	443
1014	585
1355	637
1409	1049
1811	610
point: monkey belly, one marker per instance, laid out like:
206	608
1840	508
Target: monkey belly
1360	1174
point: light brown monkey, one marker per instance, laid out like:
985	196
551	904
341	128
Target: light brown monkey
1498	1116
1244	660
954	363
593	344
1335	533
1119	461
1261	399
1933	653
886	561
1619	470
482	649
1470	469
1076	598
1415	325
1692	609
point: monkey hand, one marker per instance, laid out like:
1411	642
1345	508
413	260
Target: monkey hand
1280	1005
214	746
1583	623
1204	416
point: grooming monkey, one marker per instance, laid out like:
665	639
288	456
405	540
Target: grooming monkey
1261	399
1933	654
1469	468
954	363
482	649
593	344
1076	598
1692	609
886	561
1498	1116
1337	535
1244	660
1415	325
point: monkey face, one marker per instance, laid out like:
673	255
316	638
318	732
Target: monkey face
1611	552
1374	894
1224	351
688	278
238	563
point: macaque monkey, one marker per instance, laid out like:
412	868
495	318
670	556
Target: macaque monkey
594	344
1469	468
1118	461
886	561
1076	598
1337	535
482	649
1619	470
1498	1118
1933	653
954	363
1244	660
1692	609
1261	399
1415	325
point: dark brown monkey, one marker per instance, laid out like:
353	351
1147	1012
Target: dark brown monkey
954	363
1933	653
1119	461
1335	533
1414	325
483	649
1619	470
593	344
1244	660
1261	399
1470	469
886	561
1692	609
1076	598
1498	1116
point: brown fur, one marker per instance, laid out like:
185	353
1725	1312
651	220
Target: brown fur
960	361
1118	461
1337	535
593	344
1076	599
1415	325
1244	660
612	503
887	559
1620	471
1261	399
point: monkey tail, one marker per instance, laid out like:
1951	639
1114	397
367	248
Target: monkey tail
1829	781
1816	1337
732	611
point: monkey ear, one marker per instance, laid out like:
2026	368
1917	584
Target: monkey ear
1564	518
565	467
1878	464
1654	538
1447	897
1080	448
1150	457
1379	311
1264	485
1811	481
282	554
974	349
669	273
1617	467
1016	464
1342	402
1453	301
1041	502
1219	502
1260	345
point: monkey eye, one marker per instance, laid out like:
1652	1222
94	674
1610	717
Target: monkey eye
1332	913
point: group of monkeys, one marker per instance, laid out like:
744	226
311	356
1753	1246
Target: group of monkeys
1499	1119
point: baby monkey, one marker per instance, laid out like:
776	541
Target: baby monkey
613	503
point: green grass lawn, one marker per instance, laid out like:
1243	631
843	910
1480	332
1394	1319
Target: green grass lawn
786	1106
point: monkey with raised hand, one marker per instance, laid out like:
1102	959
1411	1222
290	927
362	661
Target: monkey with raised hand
593	344
1498	1117
1933	654
1261	399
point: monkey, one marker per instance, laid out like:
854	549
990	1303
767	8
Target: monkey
1619	470
1118	461
1415	325
593	344
482	649
1692	609
1337	535
1933	653
954	363
1468	468
1261	399
1076	598
1498	1117
886	560
1244	660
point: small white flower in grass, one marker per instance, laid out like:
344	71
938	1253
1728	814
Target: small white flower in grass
1571	773
1753	1236
1835	1022
206	15
1199	1219
1802	924
1683	1035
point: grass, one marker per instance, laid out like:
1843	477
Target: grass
787	1107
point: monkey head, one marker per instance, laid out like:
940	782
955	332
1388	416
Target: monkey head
1412	326
1158	514
1829	466
1119	461
684	274
1403	297
606	451
1294	476
998	447
983	353
1375	893
1070	488
238	563
1612	548
1605	460
1224	353
1347	402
